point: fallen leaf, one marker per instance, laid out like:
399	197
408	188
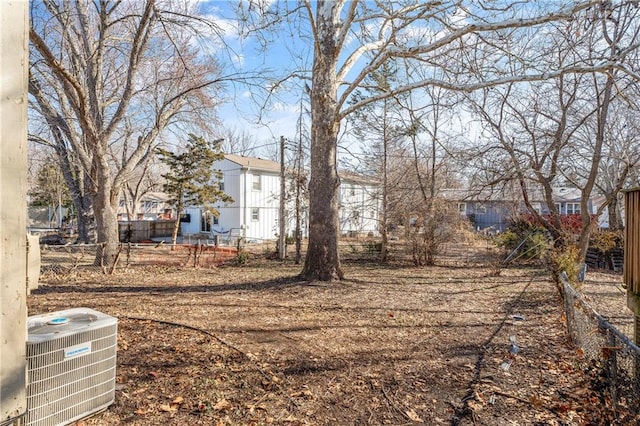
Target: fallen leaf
137	391
536	401
168	408
414	416
179	400
581	391
261	406
304	393
223	404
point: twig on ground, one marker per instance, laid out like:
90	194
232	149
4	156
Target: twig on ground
219	340
395	405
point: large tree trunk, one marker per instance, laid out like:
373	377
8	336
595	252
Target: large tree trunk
104	205
107	232
615	217
85	220
323	260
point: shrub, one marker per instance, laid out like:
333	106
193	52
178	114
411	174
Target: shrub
604	241
565	259
531	239
372	247
508	240
538	245
242	257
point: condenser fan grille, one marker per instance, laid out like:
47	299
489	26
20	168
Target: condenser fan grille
61	324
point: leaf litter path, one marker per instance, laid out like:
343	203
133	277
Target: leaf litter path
451	344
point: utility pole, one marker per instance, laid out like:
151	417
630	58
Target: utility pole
281	221
298	178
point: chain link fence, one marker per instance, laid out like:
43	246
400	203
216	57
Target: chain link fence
64	259
613	359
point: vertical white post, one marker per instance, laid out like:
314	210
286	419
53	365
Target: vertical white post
14	63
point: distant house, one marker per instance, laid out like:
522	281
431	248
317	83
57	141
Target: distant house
254	185
151	206
486	210
359	204
492	211
567	201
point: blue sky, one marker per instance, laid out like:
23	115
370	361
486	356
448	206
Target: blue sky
284	53
288	50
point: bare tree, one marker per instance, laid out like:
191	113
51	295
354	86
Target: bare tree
98	66
71	169
380	133
447	34
143	181
298	178
557	132
431	169
461	46
621	159
239	142
527	131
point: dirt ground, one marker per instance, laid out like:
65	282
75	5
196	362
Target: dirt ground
459	343
605	292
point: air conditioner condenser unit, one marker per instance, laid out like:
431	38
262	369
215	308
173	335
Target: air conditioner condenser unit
71	365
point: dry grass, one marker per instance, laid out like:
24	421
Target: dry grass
391	344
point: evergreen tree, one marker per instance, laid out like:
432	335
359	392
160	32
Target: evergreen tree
191	179
50	189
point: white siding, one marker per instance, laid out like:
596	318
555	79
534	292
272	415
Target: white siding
359	204
236	216
193	226
359	208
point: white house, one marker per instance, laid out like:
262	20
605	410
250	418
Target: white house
359	203
254	185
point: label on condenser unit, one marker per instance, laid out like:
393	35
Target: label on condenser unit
77	350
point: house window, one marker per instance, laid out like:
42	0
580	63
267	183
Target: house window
255	214
149	206
352	190
573	208
480	208
205	221
257	182
559	208
221	183
462	209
